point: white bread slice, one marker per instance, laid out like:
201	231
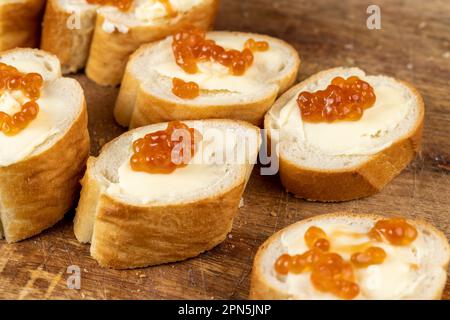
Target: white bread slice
38	187
126	231
313	173
146	93
20	23
432	254
108	36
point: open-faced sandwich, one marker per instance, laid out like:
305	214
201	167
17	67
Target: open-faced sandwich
349	256
198	75
103	33
20	23
342	134
44	142
165	192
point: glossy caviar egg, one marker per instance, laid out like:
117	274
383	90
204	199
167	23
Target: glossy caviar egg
316	238
191	46
329	271
343	99
370	256
154	153
397	231
30	84
185	90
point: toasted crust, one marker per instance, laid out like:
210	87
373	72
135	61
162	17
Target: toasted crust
363	180
149	108
71	45
110	51
261	289
37	192
126	236
20	24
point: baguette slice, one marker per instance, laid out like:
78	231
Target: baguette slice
146	93
324	163
106	36
167	219
40	170
431	252
20	23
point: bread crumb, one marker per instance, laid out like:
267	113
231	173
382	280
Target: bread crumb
349	46
446	55
409	66
273	214
230	236
142	276
422	25
241	203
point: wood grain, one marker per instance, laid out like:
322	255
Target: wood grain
414	45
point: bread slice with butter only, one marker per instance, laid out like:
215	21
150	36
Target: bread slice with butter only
346	160
103	37
40	167
417	271
146	93
135	219
20	23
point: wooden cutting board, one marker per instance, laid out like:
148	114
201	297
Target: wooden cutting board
413	44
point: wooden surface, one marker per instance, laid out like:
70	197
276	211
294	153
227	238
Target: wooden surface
414	45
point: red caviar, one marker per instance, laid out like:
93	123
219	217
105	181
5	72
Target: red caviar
164	151
329	272
191	46
185	90
30	84
343	99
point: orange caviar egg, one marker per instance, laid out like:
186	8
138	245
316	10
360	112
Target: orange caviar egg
30	84
343	99
156	153
123	5
191	46
316	238
329	272
282	265
256	46
370	256
397	231
185	90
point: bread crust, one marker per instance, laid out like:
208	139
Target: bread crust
363	180
36	193
71	45
261	289
149	108
127	236
109	52
20	24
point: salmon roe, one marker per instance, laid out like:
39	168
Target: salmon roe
329	272
185	90
397	231
30	84
370	256
164	151
191	46
343	99
122	5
